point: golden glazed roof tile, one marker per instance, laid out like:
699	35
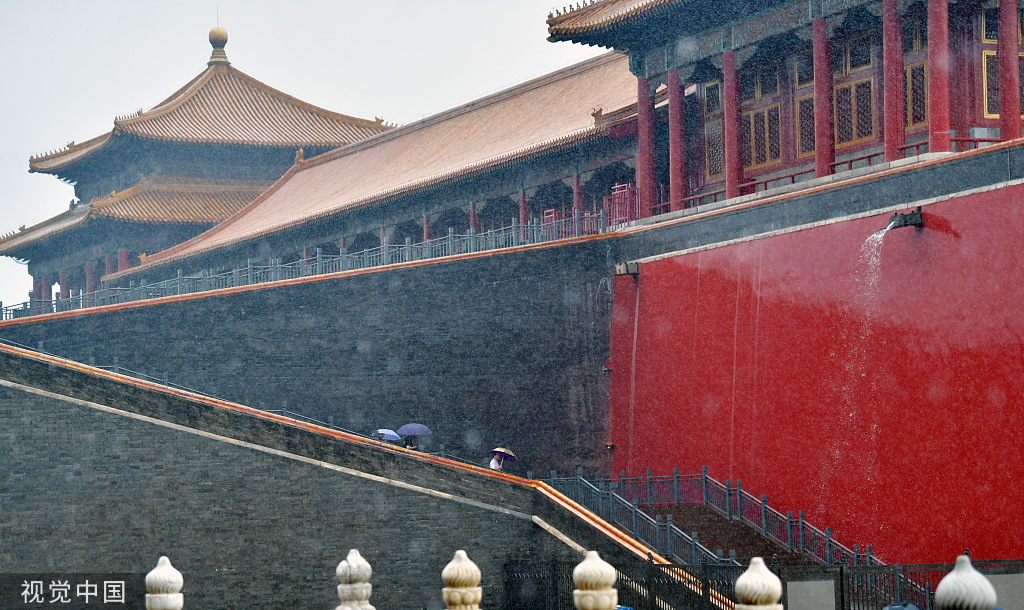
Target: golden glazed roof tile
601	15
165	200
223	105
532	118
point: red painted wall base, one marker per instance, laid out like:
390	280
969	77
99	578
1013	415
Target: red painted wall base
884	397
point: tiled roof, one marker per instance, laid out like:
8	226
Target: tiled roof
180	201
533	118
600	16
12	243
223	105
153	200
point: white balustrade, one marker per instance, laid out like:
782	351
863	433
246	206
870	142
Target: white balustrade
758	588
964	589
594	578
354	586
461	579
163	586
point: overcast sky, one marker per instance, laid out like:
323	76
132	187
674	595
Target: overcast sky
69	67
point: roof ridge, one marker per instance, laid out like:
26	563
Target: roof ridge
189	91
551	77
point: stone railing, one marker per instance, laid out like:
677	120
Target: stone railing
758	588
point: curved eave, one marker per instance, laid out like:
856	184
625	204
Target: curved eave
575	25
183	251
32	236
55	161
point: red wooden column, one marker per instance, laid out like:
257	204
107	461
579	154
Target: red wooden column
123	260
524	209
938	76
577	193
47	294
892	83
65	288
645	185
383	237
427	233
474	220
1009	77
37	290
90	282
676	142
109	265
824	126
731	126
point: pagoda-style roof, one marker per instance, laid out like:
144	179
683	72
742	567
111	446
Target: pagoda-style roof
223	105
592	23
153	200
537	117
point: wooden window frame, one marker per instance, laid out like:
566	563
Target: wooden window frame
797	84
748	117
985	54
844	48
852	84
721	95
985	7
796	110
909	111
718	119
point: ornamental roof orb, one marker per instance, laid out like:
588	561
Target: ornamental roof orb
218	37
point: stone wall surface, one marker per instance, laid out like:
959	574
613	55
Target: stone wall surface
104	476
501	350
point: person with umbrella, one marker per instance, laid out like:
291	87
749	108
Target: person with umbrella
384	435
410	432
500	455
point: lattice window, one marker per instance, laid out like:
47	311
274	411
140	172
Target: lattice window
990	24
712	98
915	36
759	84
991	83
805	120
761	144
713	146
851	55
854	115
804	70
915	95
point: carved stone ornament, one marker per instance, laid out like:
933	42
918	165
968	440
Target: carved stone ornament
354	575
964	589
461	578
758	588
594	578
164	584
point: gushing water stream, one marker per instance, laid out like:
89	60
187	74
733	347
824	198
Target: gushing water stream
871	258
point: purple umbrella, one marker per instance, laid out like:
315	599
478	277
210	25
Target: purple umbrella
388	434
414	430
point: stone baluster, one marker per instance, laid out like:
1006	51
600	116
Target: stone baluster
354	586
461	579
594	578
163	586
758	588
964	589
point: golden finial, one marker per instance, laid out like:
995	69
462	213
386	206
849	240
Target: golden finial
218	39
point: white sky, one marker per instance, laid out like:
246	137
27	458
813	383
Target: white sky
68	67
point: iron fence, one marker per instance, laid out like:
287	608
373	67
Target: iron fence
553	227
533	584
649	491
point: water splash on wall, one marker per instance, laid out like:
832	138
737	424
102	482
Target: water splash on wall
871	259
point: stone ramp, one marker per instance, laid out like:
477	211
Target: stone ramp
107	472
718	532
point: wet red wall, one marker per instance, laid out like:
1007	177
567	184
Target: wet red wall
887	401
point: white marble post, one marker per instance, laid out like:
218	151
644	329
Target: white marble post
163	586
964	589
462	579
758	588
594	578
354	586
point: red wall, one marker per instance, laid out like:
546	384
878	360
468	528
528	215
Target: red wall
887	405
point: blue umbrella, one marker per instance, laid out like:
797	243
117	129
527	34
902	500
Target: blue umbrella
414	430
389	435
